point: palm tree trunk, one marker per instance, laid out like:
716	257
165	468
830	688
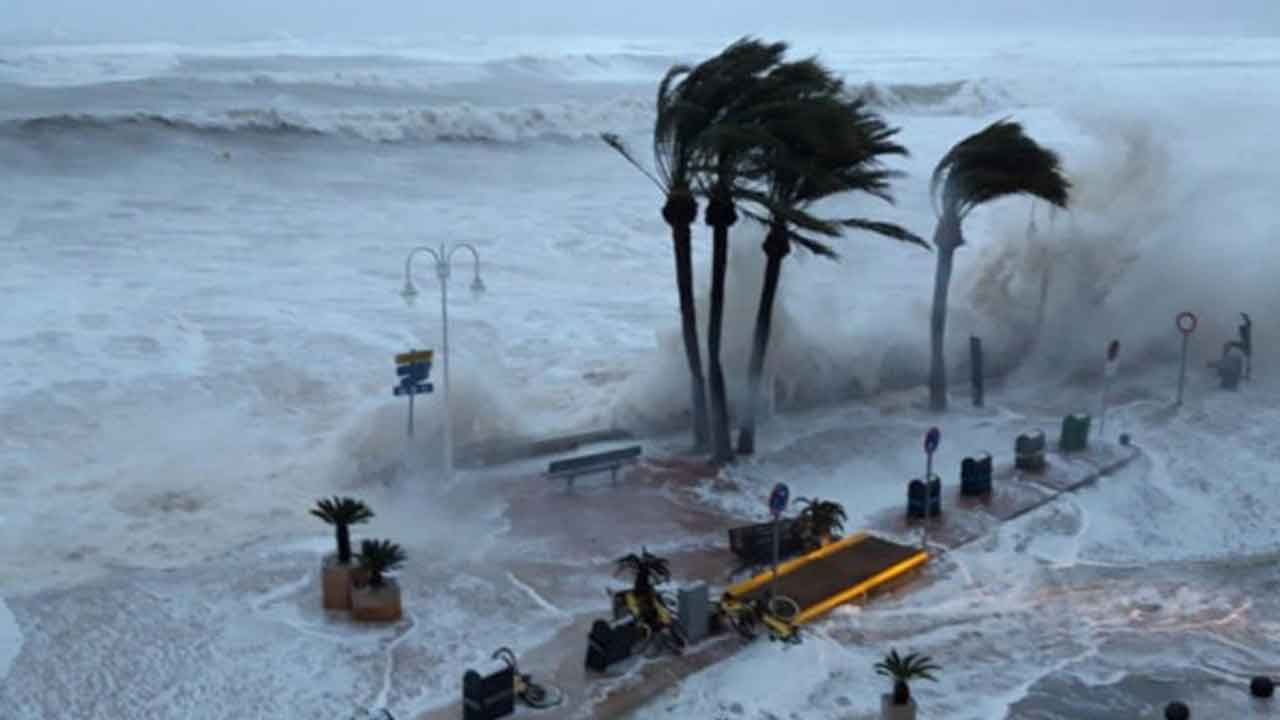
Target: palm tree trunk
720	216
776	249
946	239
680	212
344	543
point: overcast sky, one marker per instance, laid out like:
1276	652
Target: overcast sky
235	19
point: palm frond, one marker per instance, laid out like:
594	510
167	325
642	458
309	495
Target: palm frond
886	229
342	511
997	161
616	142
380	556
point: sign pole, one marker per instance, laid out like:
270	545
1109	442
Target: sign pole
1186	323
413	368
1182	372
931	440
774	581
777	504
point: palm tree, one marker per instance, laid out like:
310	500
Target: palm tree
342	513
648	571
736	89
378	557
998	161
683	115
903	670
819	520
821	145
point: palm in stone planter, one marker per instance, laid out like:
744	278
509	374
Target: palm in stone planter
379	598
821	521
338	573
903	670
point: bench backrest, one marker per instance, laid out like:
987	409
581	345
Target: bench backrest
595	460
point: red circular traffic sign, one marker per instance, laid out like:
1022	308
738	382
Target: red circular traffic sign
1186	323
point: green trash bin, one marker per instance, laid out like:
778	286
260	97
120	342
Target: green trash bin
1075	433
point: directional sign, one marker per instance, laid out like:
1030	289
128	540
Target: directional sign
415	371
1186	323
931	440
413	389
778	499
414	356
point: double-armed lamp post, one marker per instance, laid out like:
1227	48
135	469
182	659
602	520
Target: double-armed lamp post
443	256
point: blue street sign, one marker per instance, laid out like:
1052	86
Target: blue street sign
418	371
931	440
413	389
778	499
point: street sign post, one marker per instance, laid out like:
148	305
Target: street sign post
1108	372
777	504
413	368
1186	323
931	441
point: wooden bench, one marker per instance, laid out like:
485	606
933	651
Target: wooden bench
611	460
753	544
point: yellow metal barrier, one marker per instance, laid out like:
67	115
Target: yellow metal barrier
747	586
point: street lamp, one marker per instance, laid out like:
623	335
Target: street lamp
444	261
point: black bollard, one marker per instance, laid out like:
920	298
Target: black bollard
934	489
917	500
1262	687
1177	711
489	693
1028	451
1230	368
610	643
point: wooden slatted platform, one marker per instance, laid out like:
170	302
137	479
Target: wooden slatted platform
834	575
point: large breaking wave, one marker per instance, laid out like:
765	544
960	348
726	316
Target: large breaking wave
415	120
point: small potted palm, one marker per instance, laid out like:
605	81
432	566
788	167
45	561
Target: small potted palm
821	522
338	573
899	705
378	600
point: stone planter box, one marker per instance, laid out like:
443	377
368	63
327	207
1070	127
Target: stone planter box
889	711
376	604
336	582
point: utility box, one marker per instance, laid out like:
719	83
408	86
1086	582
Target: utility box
1075	433
693	612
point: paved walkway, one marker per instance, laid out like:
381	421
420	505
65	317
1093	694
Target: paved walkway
637	505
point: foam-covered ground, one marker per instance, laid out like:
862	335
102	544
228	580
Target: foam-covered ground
1157	583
